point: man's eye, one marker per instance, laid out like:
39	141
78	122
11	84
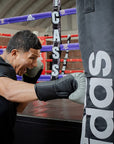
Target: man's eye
32	58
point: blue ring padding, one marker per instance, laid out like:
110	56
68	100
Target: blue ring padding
32	17
42	77
47	48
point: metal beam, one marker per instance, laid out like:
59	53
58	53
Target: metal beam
6	7
24	7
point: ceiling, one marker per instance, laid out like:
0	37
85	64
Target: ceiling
12	8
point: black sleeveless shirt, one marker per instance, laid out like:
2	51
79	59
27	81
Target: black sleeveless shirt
7	108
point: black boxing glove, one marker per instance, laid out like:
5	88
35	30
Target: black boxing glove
56	89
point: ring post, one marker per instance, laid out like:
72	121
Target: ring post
56	53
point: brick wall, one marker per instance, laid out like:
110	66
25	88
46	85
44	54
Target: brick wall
4	41
73	54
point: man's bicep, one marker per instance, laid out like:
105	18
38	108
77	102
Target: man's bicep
7	86
16	91
3	85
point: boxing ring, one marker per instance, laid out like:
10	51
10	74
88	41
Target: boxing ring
53	121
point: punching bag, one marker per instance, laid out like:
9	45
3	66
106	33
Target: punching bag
96	39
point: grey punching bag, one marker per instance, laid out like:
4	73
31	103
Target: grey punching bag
96	39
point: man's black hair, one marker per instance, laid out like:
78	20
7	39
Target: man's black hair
23	40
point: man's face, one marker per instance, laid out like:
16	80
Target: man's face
23	60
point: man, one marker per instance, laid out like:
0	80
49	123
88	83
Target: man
20	58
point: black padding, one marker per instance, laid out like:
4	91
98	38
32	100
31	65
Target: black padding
96	39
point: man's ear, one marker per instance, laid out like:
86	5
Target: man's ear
14	52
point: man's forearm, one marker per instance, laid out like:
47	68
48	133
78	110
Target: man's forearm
17	91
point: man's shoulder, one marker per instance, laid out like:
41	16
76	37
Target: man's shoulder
6	70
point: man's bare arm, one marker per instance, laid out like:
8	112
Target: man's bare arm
17	91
